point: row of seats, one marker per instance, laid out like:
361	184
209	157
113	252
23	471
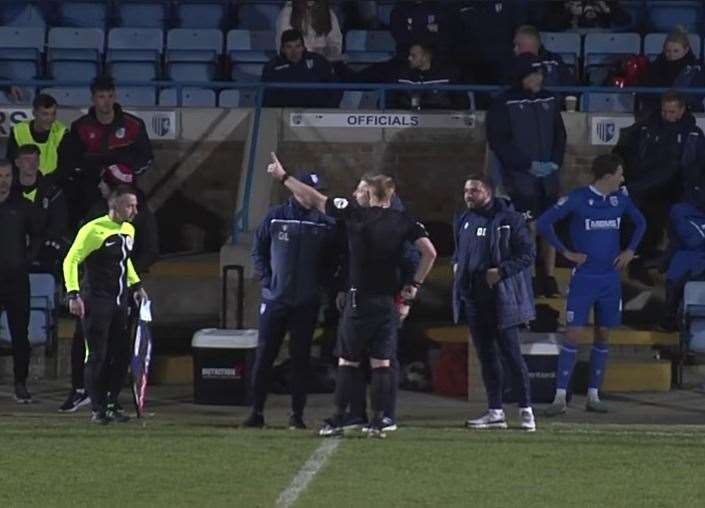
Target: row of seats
657	15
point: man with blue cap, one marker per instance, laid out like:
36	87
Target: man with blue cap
293	257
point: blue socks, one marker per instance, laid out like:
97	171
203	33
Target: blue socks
598	360
566	363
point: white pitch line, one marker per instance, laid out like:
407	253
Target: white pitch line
310	469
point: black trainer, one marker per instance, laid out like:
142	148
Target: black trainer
296	422
75	400
254	421
22	396
116	413
99	418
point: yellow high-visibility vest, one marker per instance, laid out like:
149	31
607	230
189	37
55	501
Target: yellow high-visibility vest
49	156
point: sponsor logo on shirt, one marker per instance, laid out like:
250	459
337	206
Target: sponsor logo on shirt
597	224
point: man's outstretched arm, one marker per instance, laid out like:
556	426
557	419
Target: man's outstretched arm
306	194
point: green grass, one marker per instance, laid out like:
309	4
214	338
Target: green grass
49	461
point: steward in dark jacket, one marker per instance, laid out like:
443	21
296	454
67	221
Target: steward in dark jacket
294	256
297	65
684	72
492	264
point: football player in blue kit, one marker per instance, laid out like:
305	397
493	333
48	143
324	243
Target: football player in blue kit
596	212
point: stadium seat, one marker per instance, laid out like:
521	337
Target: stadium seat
248	51
135	44
42	326
84	14
653	45
237	98
136	14
137	96
70	96
384	11
566	44
21	43
607	102
22	14
27	98
190	98
692	336
259	16
19	69
74	53
603	49
201	14
368	46
665	15
192	54
133	71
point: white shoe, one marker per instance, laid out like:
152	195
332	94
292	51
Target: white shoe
528	423
492	419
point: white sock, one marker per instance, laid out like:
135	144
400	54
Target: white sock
560	397
592	395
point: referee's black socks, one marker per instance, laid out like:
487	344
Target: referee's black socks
347	382
380	389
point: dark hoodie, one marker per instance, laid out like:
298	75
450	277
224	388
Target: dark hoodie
663	154
682	73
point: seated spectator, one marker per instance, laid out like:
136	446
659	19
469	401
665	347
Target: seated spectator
295	64
576	14
318	24
424	69
412	21
663	155
525	130
527	39
687	250
482	37
50	202
676	66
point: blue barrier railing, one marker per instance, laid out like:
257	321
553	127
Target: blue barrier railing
241	215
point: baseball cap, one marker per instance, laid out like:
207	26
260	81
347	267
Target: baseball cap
525	64
311	178
118	174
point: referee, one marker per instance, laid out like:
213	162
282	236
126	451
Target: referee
369	322
103	246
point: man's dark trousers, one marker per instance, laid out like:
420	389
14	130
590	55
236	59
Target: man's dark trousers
274	321
491	342
14	299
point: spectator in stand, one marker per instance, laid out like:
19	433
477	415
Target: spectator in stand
412	21
424	69
12	92
18	222
676	66
318	24
43	131
527	39
663	155
295	64
50	203
105	135
482	36
687	249
145	252
526	132
577	14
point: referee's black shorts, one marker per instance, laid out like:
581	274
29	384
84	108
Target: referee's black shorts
368	328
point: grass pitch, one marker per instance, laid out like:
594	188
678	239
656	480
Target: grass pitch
48	460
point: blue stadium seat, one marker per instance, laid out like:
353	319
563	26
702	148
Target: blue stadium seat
73	70
70	96
368	46
192	54
22	14
84	14
137	96
247	71
384	11
232	98
566	44
133	71
603	49
248	51
135	44
201	14
42	320
259	16
19	69
190	98
136	14
665	15
607	103
653	45
74	53
21	43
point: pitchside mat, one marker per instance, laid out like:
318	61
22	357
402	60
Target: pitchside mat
181	454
